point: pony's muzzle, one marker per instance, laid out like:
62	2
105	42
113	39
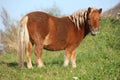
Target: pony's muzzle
94	31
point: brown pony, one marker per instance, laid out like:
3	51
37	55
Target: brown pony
52	33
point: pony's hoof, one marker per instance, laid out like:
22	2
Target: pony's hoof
41	66
65	65
74	66
29	66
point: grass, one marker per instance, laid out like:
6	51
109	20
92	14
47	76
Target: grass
98	58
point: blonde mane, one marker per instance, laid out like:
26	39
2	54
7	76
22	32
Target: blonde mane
78	18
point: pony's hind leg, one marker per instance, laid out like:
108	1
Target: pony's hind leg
38	54
28	55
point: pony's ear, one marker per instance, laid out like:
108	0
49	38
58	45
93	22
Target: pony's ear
89	9
100	10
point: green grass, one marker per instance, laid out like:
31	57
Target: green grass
98	58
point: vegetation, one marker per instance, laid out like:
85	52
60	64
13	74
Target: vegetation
9	35
98	58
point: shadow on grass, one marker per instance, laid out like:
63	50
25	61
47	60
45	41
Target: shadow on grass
60	63
11	64
16	65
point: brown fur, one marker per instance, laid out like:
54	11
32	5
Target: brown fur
53	33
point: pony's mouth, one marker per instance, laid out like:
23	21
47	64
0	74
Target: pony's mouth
94	31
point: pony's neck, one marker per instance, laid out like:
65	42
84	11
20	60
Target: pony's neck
86	29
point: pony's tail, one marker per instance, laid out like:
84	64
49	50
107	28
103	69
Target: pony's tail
23	40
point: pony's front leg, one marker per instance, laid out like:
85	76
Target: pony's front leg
67	58
70	55
38	54
28	55
73	59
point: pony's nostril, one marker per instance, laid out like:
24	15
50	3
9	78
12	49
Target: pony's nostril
96	30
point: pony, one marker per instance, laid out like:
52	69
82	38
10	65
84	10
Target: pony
45	31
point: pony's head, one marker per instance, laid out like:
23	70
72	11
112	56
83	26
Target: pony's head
93	19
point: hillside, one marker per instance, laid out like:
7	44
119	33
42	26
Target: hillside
98	58
113	11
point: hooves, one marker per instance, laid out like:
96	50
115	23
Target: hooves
44	66
30	66
66	63
73	66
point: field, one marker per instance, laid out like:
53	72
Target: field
98	58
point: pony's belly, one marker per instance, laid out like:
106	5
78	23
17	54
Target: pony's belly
53	47
53	43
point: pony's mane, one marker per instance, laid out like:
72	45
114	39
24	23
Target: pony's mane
79	18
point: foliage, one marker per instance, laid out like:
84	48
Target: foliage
9	36
98	58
